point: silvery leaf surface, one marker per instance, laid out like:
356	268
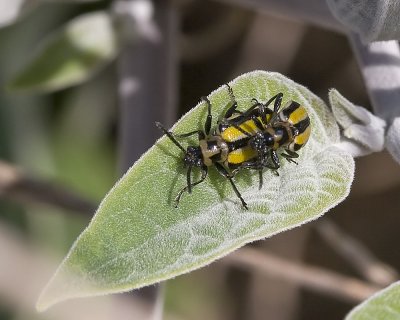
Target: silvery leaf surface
373	20
362	132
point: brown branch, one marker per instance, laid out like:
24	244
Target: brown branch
313	278
17	185
360	257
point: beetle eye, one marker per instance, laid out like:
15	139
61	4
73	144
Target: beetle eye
269	139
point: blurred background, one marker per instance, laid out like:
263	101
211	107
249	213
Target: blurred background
64	143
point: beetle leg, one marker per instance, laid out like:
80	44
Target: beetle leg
289	155
190	185
200	134
207	124
232	108
226	174
275	160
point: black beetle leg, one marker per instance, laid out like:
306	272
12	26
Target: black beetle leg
226	174
190	185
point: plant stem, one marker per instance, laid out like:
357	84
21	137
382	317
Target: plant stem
147	84
313	278
17	185
358	255
380	66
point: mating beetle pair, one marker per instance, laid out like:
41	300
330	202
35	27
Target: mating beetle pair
245	140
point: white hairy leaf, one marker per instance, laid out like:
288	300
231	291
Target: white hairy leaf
363	132
374	20
393	139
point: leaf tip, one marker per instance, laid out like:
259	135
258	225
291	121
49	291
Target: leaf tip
44	301
59	288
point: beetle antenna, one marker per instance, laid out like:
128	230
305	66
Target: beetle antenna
169	134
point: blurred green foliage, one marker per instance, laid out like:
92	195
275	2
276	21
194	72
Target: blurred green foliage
66	136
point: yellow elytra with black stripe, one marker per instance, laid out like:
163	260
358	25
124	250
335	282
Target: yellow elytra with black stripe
289	128
297	117
265	134
232	134
285	132
236	131
241	155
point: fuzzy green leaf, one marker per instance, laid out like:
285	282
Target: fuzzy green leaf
384	305
70	56
138	238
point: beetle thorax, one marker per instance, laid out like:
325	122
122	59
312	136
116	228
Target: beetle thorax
262	141
214	149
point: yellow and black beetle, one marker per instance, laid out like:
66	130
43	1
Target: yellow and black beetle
268	131
244	140
211	151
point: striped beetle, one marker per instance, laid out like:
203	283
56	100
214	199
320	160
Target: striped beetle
211	151
242	140
269	131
